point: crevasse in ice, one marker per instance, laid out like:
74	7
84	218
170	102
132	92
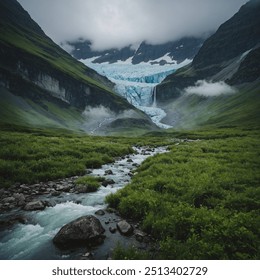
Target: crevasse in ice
136	83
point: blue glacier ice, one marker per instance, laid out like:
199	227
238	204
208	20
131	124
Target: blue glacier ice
136	83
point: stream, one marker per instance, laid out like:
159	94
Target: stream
33	239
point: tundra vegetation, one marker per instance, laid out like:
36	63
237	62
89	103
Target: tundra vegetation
198	201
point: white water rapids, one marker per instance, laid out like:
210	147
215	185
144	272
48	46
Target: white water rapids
33	240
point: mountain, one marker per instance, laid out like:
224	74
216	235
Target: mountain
42	85
168	53
230	57
222	54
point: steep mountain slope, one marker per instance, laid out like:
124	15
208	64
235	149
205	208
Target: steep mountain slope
231	55
226	49
171	52
42	82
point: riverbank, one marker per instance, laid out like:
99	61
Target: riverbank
38	211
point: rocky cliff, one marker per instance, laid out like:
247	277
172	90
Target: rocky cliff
171	52
37	70
228	55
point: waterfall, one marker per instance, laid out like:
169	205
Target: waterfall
154	97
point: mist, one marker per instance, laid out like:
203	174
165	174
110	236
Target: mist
120	23
98	118
209	89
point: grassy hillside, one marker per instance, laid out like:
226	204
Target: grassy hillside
195	111
40	113
41	84
20	31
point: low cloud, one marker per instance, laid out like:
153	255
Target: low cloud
98	118
208	88
119	23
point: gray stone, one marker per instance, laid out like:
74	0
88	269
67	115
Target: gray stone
9	199
140	235
108	182
34	205
63	188
85	230
112	229
124	228
52	184
20	199
55	193
109	172
100	212
84	189
12	221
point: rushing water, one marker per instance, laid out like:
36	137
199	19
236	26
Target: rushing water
33	240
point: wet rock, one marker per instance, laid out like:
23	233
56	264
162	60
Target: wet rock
35	186
5	224
7	206
19	198
63	188
140	235
112	229
52	184
109	172
9	199
100	212
107	182
34	205
85	230
47	203
124	228
129	160
55	193
84	189
135	164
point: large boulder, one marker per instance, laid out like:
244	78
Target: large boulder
86	230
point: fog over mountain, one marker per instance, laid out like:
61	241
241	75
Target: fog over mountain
118	23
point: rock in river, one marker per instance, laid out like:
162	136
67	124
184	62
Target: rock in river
34	205
125	228
86	230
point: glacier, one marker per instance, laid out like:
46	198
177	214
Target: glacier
137	83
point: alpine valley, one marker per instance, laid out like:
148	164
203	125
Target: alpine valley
150	151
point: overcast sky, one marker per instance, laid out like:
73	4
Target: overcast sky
118	23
